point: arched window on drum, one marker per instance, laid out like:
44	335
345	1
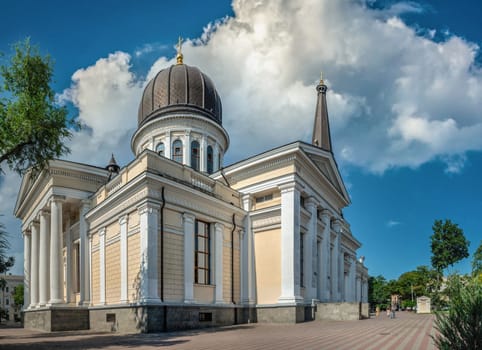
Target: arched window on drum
177	151
160	149
195	152
210	160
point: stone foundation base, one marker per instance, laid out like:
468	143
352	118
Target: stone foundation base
341	311
57	319
162	318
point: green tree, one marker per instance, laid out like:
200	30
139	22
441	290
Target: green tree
448	244
33	128
3	284
461	327
377	290
5	262
18	296
477	262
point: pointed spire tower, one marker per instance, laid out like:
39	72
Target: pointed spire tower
321	128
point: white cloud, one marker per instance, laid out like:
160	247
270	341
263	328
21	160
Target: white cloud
393	223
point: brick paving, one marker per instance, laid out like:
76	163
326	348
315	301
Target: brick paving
407	331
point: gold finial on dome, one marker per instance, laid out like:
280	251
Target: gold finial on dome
179	53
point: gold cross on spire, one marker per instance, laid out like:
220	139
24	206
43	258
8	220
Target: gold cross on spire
321	77
179	52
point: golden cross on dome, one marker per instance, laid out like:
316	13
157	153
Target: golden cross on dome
179	52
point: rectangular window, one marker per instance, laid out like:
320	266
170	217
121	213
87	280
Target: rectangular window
302	270
264	198
202	253
7	289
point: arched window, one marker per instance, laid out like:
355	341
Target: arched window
160	149
177	151
195	155
210	159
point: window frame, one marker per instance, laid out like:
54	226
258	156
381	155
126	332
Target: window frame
195	155
161	152
177	156
203	271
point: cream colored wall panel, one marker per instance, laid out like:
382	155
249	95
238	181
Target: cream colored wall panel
173	267
268	266
112	273
112	230
264	176
95	277
204	293
133	219
173	218
133	266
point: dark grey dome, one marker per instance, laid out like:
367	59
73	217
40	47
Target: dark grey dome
180	88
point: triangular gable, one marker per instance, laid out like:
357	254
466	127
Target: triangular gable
325	162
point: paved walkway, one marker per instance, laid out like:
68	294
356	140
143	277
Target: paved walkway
407	331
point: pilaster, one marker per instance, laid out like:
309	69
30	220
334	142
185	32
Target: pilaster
44	258
149	230
84	251
187	148
26	268
310	245
219	247
290	243
102	265
325	259
56	263
34	265
188	222
123	256
336	266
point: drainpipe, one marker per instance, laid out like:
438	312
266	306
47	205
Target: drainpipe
164	313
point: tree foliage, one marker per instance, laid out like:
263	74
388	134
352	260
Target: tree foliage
477	261
5	262
448	244
18	295
461	327
33	128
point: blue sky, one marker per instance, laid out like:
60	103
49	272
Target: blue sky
405	91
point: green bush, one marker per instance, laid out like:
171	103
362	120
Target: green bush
461	327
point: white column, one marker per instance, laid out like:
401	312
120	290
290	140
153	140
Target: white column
324	261
335	264
167	145
84	251
187	149
123	252
204	154
247	256
68	266
102	266
188	220
34	265
44	257
56	259
26	268
290	244
216	164
149	231
218	249
352	277
310	244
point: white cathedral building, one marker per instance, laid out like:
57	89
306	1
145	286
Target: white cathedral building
176	240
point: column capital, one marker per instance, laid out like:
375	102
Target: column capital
101	232
148	207
123	219
27	233
311	202
57	199
44	212
290	187
34	223
85	203
188	217
336	224
325	216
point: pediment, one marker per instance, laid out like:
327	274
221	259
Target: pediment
326	164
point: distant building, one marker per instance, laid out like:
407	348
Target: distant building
176	240
7	302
